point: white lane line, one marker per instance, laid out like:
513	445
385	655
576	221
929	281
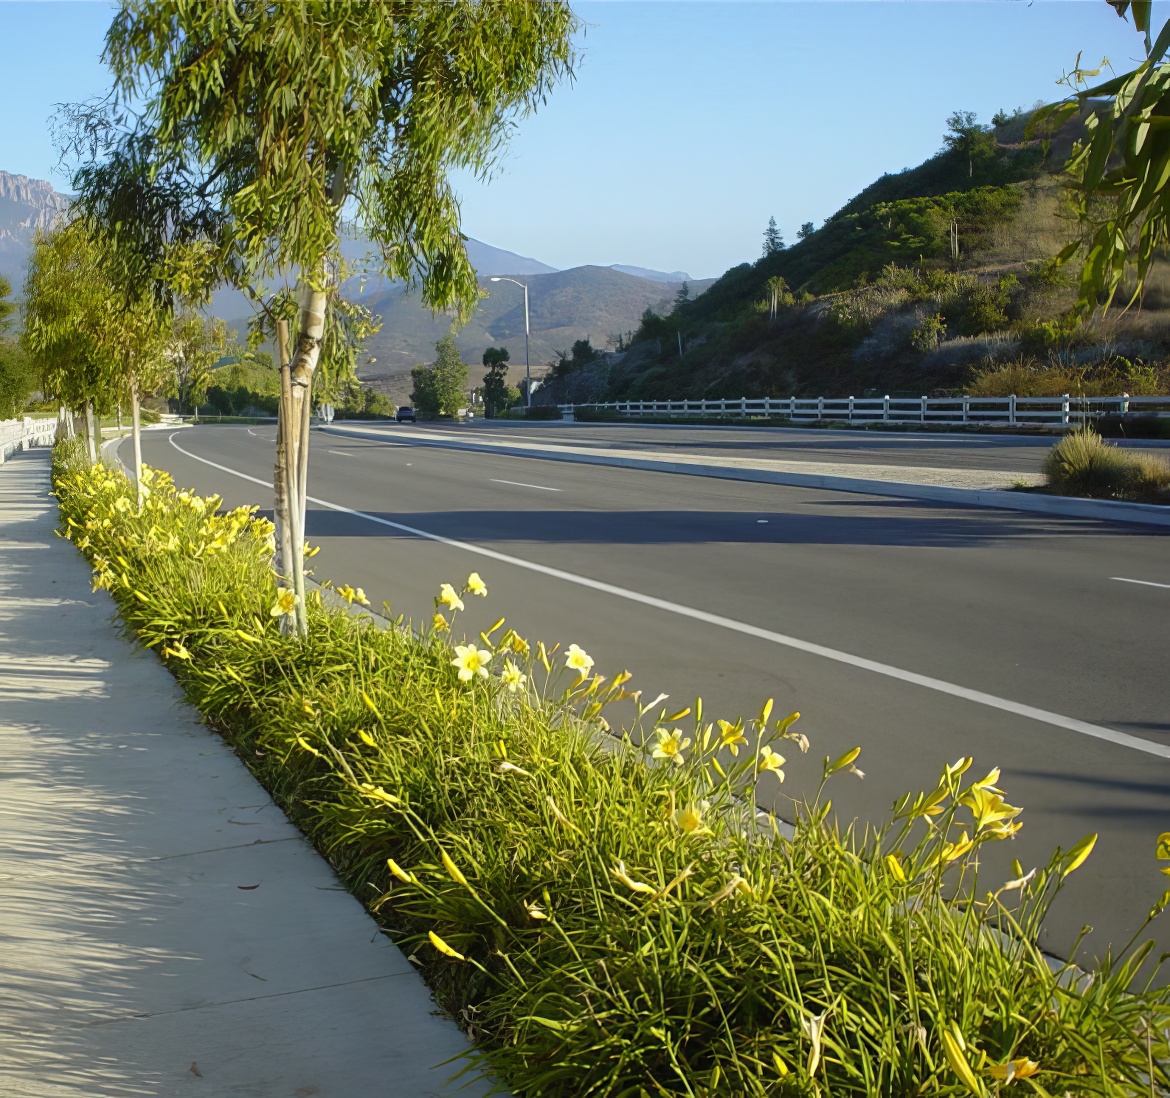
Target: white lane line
1144	583
1056	720
521	484
340	453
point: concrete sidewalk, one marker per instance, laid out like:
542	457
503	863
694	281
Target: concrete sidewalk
164	930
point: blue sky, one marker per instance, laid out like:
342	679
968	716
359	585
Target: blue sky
689	123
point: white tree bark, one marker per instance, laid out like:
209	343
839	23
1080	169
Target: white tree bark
90	444
136	422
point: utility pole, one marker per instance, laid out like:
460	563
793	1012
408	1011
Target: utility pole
527	368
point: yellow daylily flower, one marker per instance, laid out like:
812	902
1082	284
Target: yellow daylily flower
398	871
512	677
671	745
449	598
1162	851
690	821
577	659
987	806
179	652
1079	853
813	1029
471	662
353	594
953	1048
535	911
444	948
731	736
1023	1068
440	624
476	586
287	601
771	760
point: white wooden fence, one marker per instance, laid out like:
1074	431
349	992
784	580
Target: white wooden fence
24	434
1012	410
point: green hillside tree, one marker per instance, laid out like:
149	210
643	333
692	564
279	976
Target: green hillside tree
773	239
440	389
682	296
18	379
497	393
969	140
805	231
253	125
196	345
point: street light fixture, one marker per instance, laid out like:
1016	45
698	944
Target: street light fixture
527	370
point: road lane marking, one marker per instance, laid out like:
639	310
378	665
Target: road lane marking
521	484
1144	583
1042	716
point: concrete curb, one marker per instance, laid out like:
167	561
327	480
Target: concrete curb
1146	514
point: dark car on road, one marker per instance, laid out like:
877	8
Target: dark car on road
404	414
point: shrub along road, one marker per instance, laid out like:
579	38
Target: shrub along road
937	627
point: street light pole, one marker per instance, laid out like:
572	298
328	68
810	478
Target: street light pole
527	368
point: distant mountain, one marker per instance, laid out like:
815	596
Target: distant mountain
654	276
25	206
564	306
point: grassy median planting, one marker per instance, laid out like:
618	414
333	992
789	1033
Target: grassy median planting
603	915
1084	464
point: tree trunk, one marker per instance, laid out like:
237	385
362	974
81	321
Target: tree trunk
136	423
283	484
119	417
90	443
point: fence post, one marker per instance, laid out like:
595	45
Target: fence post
850	409
1012	408
820	409
886	408
1064	409
966	407
923	414
792	407
1123	404
743	407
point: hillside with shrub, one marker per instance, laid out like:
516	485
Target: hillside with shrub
935	280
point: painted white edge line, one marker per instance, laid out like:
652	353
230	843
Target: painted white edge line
1056	720
521	484
1144	583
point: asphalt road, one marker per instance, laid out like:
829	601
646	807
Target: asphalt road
953	450
921	632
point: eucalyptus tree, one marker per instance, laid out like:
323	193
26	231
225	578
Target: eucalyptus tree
251	127
1120	169
90	340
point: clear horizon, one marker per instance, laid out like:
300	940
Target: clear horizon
689	123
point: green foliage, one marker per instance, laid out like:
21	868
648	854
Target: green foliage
806	230
84	329
970	141
440	389
1084	464
497	393
1119	170
239	132
7	306
613	919
251	384
929	333
18	379
582	354
1030	376
360	402
196	345
773	239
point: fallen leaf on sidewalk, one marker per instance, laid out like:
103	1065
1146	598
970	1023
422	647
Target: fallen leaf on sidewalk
194	1069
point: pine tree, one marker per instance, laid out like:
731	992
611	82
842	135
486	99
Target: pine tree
806	230
773	239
